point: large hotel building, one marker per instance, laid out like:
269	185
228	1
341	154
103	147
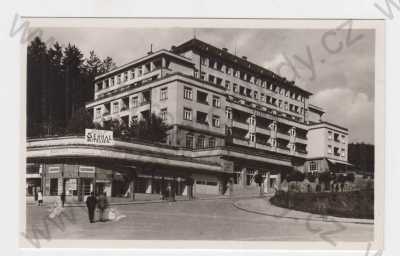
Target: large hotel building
223	110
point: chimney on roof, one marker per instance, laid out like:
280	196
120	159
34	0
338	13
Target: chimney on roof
151	49
244	57
173	47
225	49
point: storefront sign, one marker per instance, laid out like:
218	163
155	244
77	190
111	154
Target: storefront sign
99	137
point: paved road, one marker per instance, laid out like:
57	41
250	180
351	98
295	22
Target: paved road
197	220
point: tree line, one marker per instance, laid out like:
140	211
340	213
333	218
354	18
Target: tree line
59	83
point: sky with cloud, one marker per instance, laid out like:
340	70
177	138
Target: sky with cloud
337	67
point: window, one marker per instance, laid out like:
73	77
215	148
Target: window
203	60
342	152
133	74
215	121
202	97
343	139
242	90
252	120
115	107
329	135
262	97
125	76
188	93
211	142
329	149
211	78
135	101
97	112
255	94
280	105
228	113
252	137
336	137
135	119
187	114
216	102
189	141
313	166
163	114
164	93
336	151
118	79
200	142
235	88
201	117
140	71
227	85
111	82
218	81
203	75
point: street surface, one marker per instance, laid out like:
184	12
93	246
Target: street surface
187	220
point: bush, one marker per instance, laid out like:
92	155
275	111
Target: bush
355	204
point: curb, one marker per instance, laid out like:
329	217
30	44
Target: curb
300	218
153	201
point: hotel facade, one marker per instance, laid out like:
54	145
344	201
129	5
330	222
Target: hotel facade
223	110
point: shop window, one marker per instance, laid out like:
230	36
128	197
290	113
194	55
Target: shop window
53	187
200	142
211	142
189	141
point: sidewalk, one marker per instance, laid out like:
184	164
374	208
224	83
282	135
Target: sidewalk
139	199
264	207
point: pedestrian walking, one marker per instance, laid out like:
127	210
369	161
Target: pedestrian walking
40	198
102	204
91	205
62	197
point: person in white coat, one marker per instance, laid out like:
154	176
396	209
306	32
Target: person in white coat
40	198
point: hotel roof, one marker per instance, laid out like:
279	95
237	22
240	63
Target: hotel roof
199	45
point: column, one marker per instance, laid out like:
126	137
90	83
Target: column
220	185
132	189
243	177
267	187
80	188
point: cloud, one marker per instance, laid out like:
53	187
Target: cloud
350	109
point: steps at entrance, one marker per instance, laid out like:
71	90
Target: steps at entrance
251	190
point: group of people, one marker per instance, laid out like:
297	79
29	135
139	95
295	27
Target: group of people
100	202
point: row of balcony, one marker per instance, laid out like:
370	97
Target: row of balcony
278	149
266	131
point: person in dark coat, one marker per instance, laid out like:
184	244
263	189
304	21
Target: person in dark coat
91	205
102	204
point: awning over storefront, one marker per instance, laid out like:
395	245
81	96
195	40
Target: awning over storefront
339	162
